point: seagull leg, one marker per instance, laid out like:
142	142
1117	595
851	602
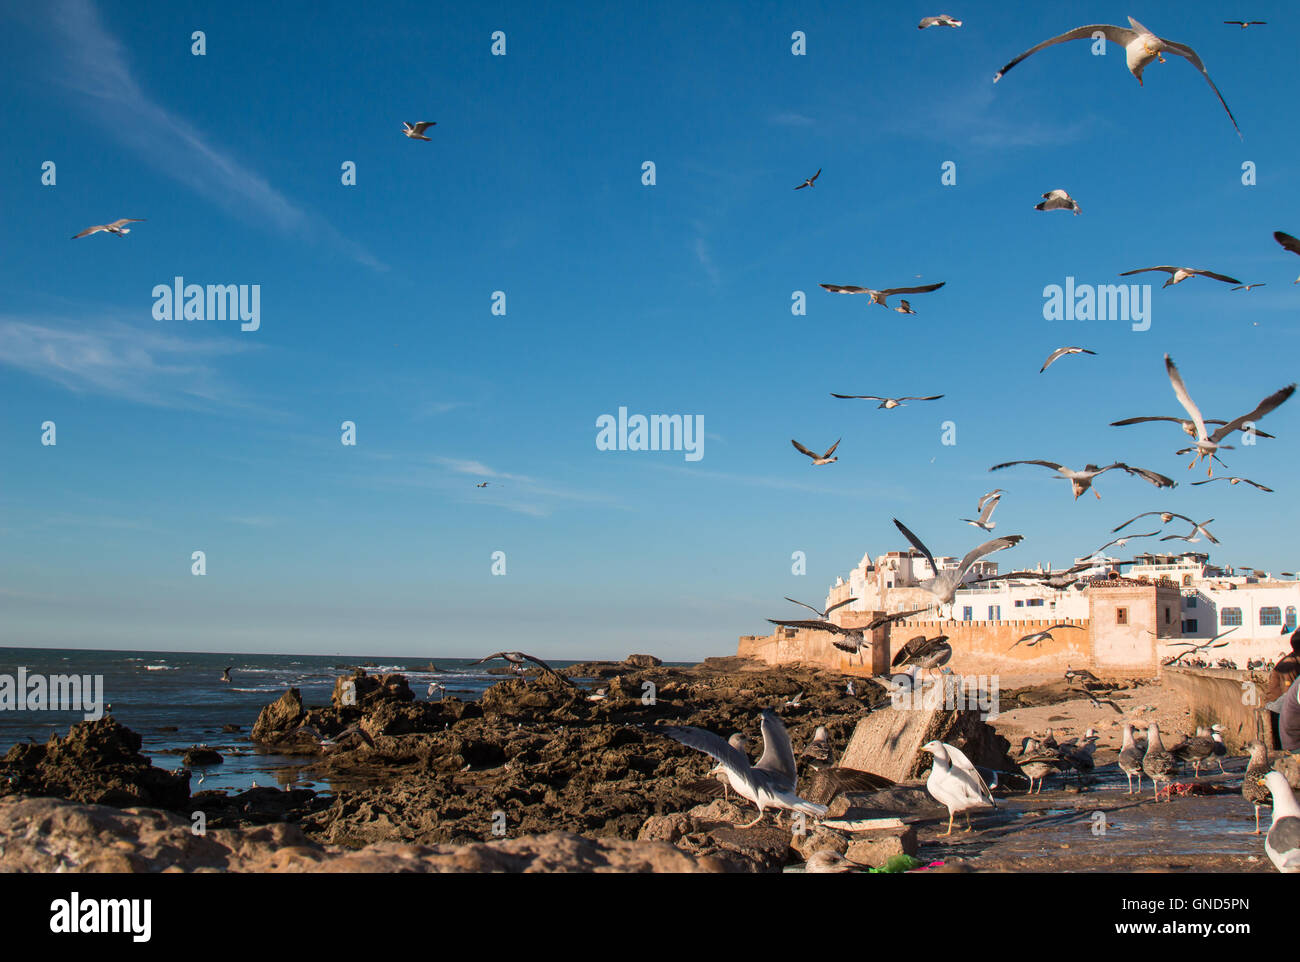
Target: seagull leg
1256	819
950	817
754	822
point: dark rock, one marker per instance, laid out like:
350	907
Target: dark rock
644	661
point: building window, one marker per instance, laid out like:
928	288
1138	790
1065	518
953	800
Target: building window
1168	616
1035	602
1229	616
1270	616
995	612
1290	618
1189	626
1191	601
1187	581
967	613
1121	616
1020	602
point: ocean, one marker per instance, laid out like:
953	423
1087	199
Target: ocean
154	691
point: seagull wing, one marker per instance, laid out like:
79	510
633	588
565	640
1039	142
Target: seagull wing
1047	464
709	743
1218	277
1127	421
88	230
1188	54
859	397
912	290
1120	35
959	763
1159	480
932	397
832	448
1185	399
809	623
917	544
499	654
547	668
845	289
1134	518
988	547
816	611
1143	270
126	220
801	449
1265	406
995	492
1286	240
778	753
846	601
1059	352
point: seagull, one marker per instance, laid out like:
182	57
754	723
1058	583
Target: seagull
1198	529
441	689
945	583
1141	47
517	659
1179	274
1082	674
855	639
1246	23
416	131
1033	639
817	611
1036	762
1188	425
1282	843
1208	444
1290	243
879	297
1120	542
943	20
1165	517
924	653
1253	788
819	749
986	512
1130	759
225	674
955	783
817	459
1193	647
768	784
739	742
829	861
481	484
1249	287
809	181
334	741
983	498
1081	481
1058	200
1158	763
1053	579
113	228
1061	352
796	701
1195	750
888	403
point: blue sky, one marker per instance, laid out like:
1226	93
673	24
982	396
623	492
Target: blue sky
176	436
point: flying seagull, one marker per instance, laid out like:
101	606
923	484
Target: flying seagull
1179	274
943	20
1060	352
1243	24
1141	47
1251	287
1121	542
517	659
945	583
1282	843
854	639
768	784
986	512
1188	425
809	181
1034	638
1194	535
481	484
818	611
1081	481
1165	518
113	228
1290	243
924	653
817	458
1235	481
994	493
1208	444
880	297
416	131
888	403
225	675
955	783
1058	200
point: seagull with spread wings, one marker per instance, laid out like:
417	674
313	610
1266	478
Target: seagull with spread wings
1081	481
1141	46
113	228
1035	637
1165	518
1060	352
1179	274
416	131
852	640
1059	200
517	659
986	507
945	583
1121	542
817	458
1187	424
810	182
1193	536
1207	445
880	297
889	403
943	20
1289	243
817	611
1235	481
1243	24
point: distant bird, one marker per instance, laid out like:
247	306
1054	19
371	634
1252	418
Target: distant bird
817	459
1058	200
886	402
352	731
1061	352
1179	274
1081	675
517	659
1121	542
1192	647
225	674
817	611
1290	243
796	701
1165	517
481	484
1036	637
810	181
1141	46
850	690
1282	843
983	522
924	652
1249	287
1235	481
768	784
1245	23
1081	481
1098	702
880	297
1198	529
416	131
955	783
1130	759
1052	579
945	583
1208	444
113	228
943	20
439	689
1159	764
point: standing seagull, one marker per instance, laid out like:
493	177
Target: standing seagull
817	459
1081	481
1060	352
889	403
1034	638
416	131
943	20
1207	444
1059	200
955	782
1130	759
517	659
1141	46
1158	763
1282	843
880	297
1179	274
113	228
769	783
1290	243
809	181
1253	788
945	583
986	513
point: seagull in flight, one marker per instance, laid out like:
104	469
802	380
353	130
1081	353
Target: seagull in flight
889	403
943	20
225	675
1059	200
1290	243
1141	46
854	640
517	659
1207	445
113	228
1235	481
1198	529
1060	352
1081	481
945	583
818	459
1165	518
481	484
416	131
986	507
1243	24
1034	638
1251	287
1121	542
923	653
809	181
817	611
1179	274
880	297
1188	425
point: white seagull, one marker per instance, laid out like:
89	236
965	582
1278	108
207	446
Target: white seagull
955	783
1058	200
113	228
945	583
818	458
889	403
986	513
1235	481
880	297
1081	481
1141	46
1179	274
1060	352
416	131
943	20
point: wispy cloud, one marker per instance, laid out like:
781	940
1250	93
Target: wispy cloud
790	119
95	65
969	115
